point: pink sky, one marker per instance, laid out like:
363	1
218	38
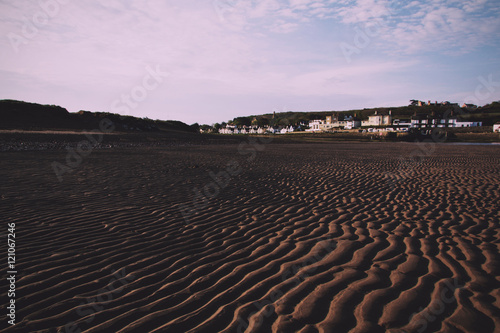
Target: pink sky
228	58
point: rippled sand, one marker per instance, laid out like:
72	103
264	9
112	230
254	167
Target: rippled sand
303	238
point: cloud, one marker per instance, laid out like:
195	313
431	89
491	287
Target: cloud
223	51
360	79
243	15
438	25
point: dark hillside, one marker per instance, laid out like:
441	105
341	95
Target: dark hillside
488	114
30	116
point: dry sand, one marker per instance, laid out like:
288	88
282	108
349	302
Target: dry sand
344	237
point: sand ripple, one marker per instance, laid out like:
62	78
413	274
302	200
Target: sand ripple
307	238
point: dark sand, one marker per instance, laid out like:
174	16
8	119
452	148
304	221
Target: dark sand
354	237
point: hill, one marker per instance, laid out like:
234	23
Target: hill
35	117
488	114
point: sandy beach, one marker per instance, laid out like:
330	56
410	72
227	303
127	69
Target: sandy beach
255	237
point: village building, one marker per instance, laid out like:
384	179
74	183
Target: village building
469	106
468	124
332	122
378	120
401	125
288	129
432	120
316	126
384	122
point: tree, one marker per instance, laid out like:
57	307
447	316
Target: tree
195	128
282	122
206	128
242	121
262	122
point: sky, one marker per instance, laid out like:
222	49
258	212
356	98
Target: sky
210	61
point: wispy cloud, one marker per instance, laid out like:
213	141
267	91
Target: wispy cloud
432	25
263	52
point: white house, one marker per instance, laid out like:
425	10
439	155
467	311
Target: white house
232	129
496	128
316	125
332	122
450	122
468	123
423	121
350	124
229	129
288	129
378	120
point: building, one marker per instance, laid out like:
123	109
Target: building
422	121
229	129
419	121
332	122
316	125
350	124
401	125
429	121
468	123
496	128
272	130
469	106
288	129
331	119
378	120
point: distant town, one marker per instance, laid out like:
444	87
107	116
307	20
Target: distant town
418	116
435	115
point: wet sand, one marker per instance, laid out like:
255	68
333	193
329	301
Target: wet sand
338	237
